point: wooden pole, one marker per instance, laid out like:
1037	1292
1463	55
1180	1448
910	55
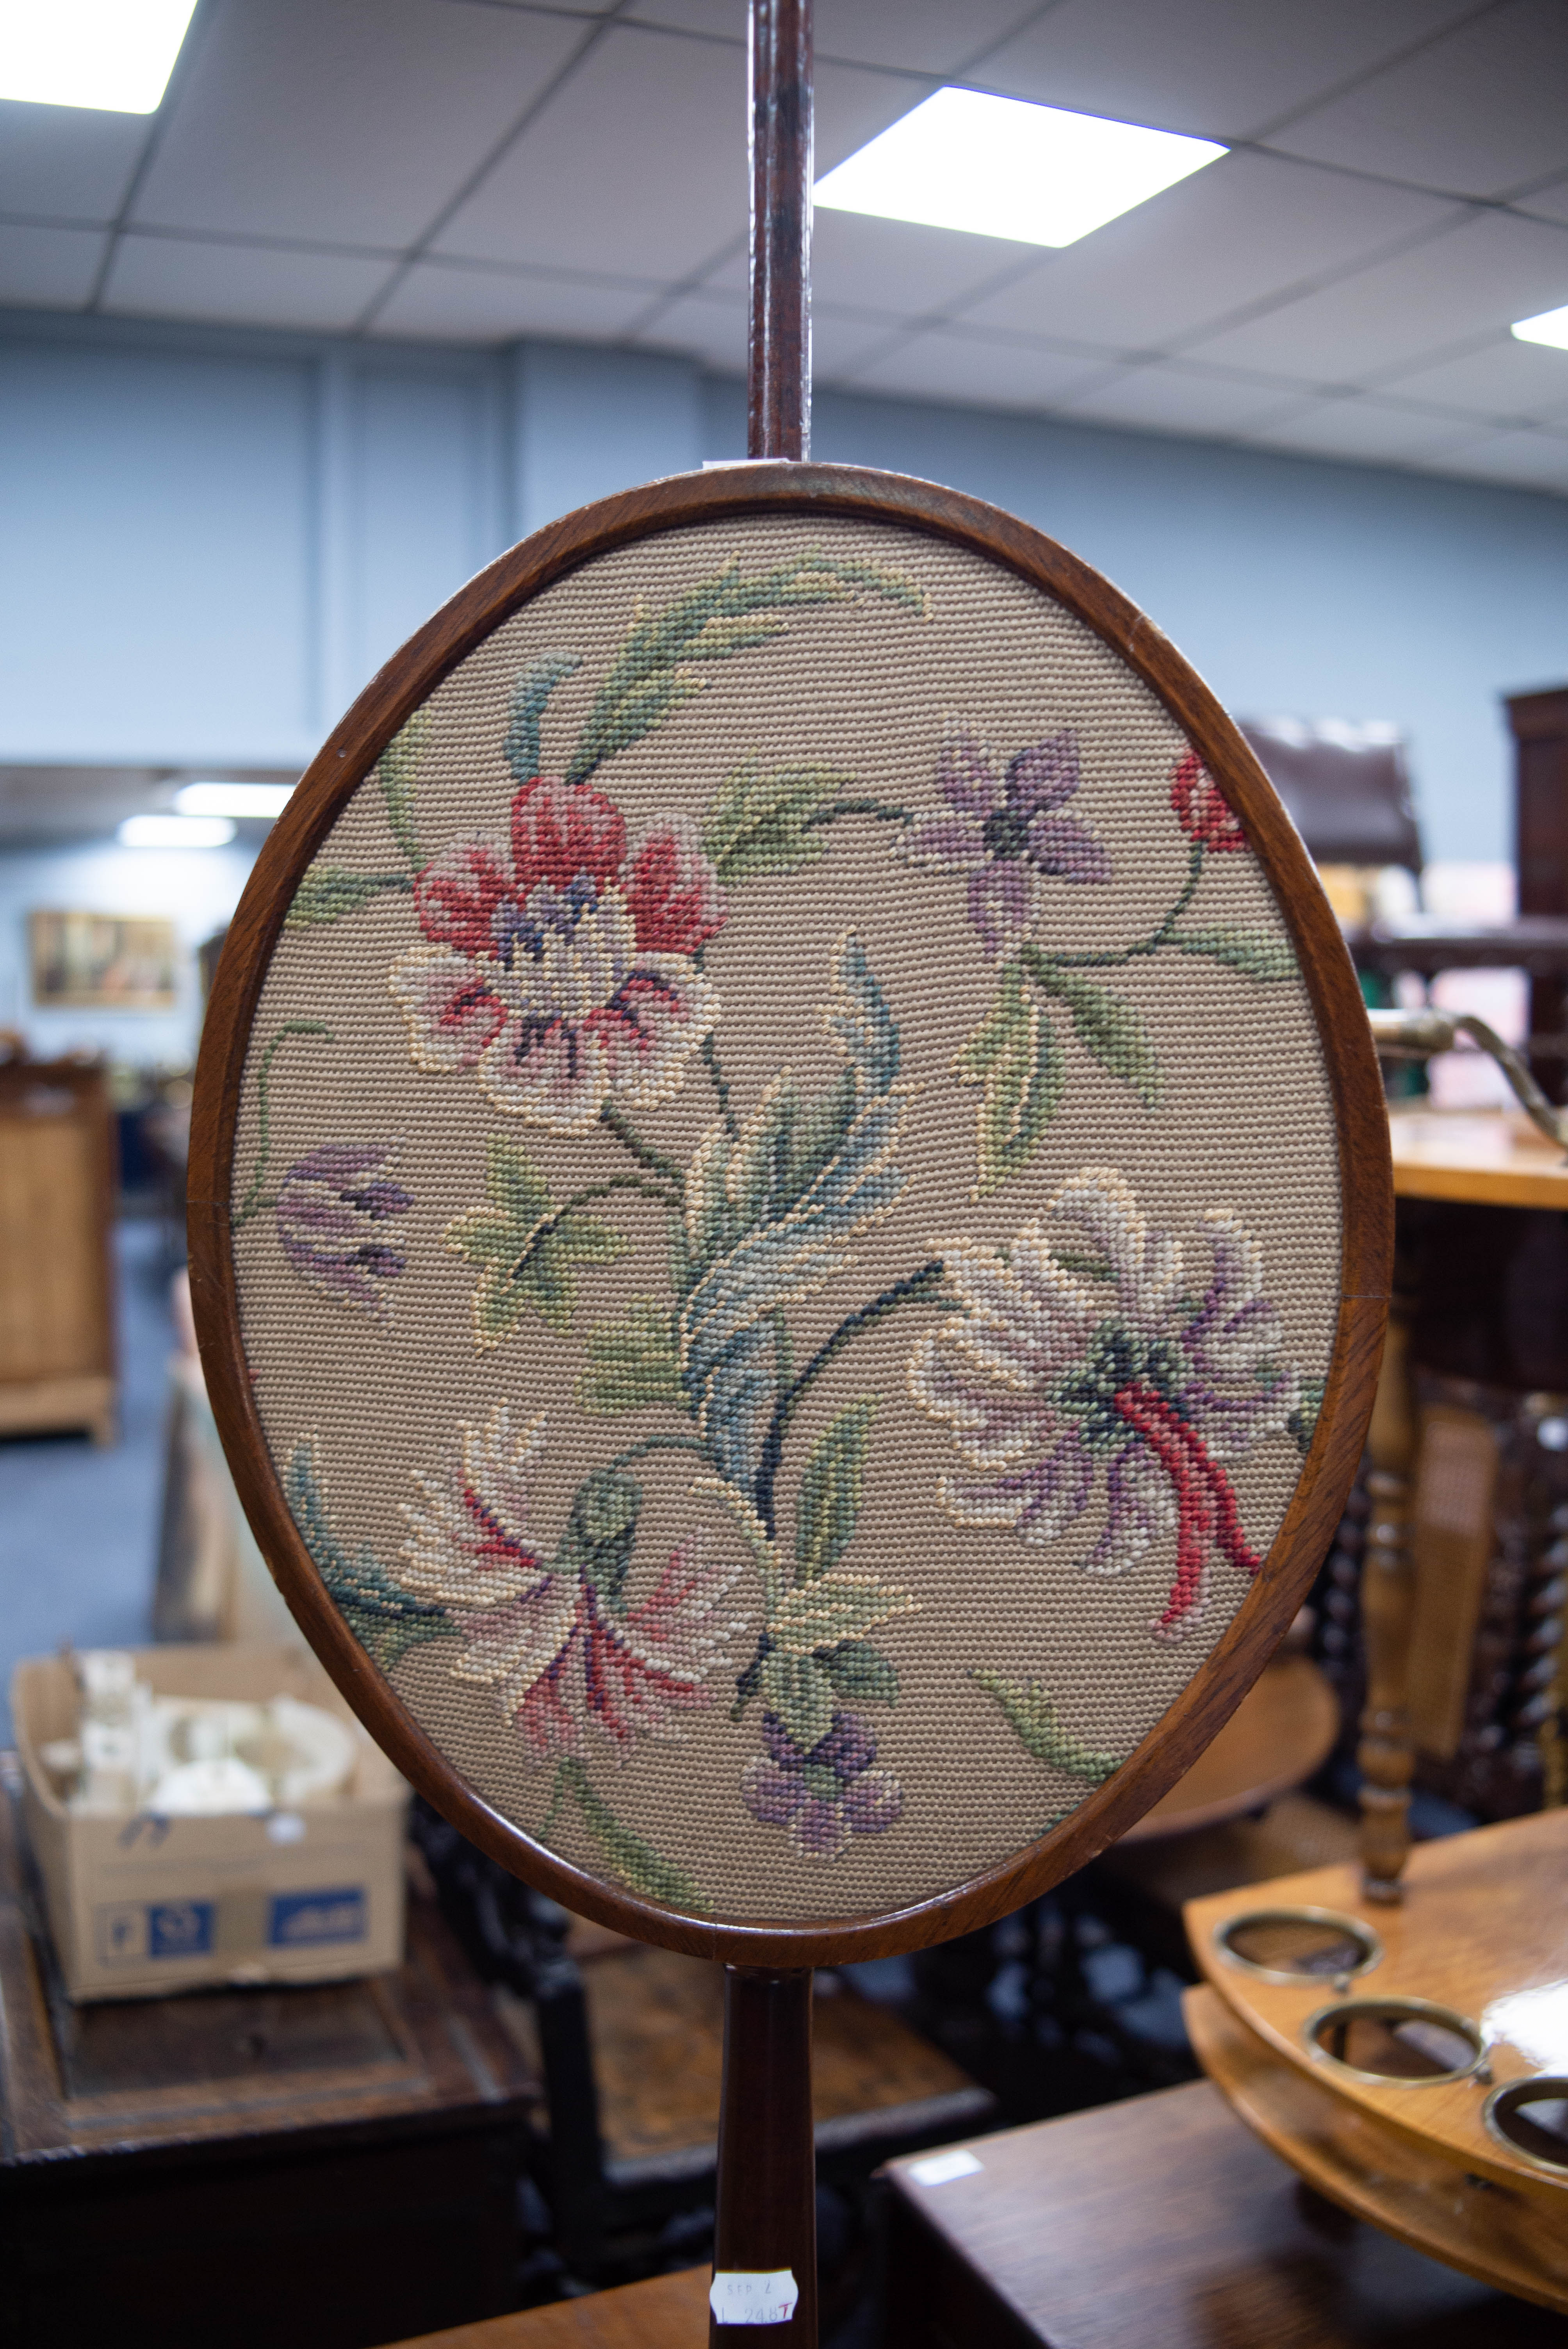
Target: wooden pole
766	2219
778	406
1388	1601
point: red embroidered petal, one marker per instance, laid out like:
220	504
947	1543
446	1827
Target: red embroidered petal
559	830
674	894
458	892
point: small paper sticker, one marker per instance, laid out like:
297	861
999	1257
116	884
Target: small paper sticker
940	2167
753	2296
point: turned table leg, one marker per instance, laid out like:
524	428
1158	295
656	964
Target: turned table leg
1388	1598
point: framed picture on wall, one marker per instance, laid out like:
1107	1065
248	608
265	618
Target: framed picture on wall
103	962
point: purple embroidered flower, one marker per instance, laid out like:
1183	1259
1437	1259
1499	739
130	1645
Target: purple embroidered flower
1097	1358
823	1796
1003	830
334	1210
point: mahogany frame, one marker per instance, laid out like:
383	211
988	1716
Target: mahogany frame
345	760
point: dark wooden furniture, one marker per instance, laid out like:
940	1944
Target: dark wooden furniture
1161	2220
1539	724
56	1278
320	2166
668	2311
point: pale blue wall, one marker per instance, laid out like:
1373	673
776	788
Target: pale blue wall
210	540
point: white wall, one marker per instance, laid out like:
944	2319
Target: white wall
210	540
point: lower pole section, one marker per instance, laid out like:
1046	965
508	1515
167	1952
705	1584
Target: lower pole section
765	2231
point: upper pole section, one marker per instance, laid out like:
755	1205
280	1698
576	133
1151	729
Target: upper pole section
779	408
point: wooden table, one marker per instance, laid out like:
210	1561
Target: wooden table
1487	1159
1282	1731
666	2312
1161	2223
306	2168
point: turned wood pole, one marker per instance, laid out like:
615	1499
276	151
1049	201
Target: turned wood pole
1388	1599
765	2220
779	402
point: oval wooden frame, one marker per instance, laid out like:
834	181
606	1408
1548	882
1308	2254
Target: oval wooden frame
342	763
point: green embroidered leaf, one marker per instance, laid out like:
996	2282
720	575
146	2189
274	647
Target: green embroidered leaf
521	749
526	1247
1112	1030
1042	1730
759	821
600	1534
628	1855
1015	1054
396	771
654	672
1302	1425
633	1362
836	1606
830	1491
858	1671
326	894
385	1620
1255	953
799	1691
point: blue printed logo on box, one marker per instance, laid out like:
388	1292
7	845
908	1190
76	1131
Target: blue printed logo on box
132	1930
300	1920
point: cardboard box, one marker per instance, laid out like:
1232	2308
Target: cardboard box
141	1906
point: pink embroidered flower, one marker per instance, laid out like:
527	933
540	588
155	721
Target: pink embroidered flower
1202	809
1004	831
823	1796
561	962
557	1643
1053	1376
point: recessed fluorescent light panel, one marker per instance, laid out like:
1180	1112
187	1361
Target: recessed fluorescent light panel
1000	167
175	831
253	801
1549	327
115	56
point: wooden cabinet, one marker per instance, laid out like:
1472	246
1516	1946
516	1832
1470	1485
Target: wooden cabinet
57	1295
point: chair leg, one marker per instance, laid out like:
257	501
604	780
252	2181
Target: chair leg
1388	1601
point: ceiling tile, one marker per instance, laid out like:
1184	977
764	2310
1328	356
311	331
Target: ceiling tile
50	268
1549	203
1167	399
1480	112
1507	379
977	372
1364	430
1489	270
853	103
929	37
636	165
1223	68
1531	461
256	285
66	160
843	340
895	267
343	121
451	301
1247	227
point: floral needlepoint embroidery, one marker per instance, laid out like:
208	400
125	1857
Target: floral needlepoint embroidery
1202	809
560	1645
823	1796
336	1215
560	964
1003	830
1069	1361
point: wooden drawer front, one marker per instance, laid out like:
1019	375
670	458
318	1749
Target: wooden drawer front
53	1309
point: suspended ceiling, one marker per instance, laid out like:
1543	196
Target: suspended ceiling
1340	285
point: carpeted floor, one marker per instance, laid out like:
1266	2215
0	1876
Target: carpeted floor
78	1527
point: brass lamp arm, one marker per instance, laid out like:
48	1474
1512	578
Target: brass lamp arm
1418	1035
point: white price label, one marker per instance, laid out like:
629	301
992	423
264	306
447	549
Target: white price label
752	2296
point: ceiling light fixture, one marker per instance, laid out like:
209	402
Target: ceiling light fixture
250	800
1001	167
175	831
1548	327
115	56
